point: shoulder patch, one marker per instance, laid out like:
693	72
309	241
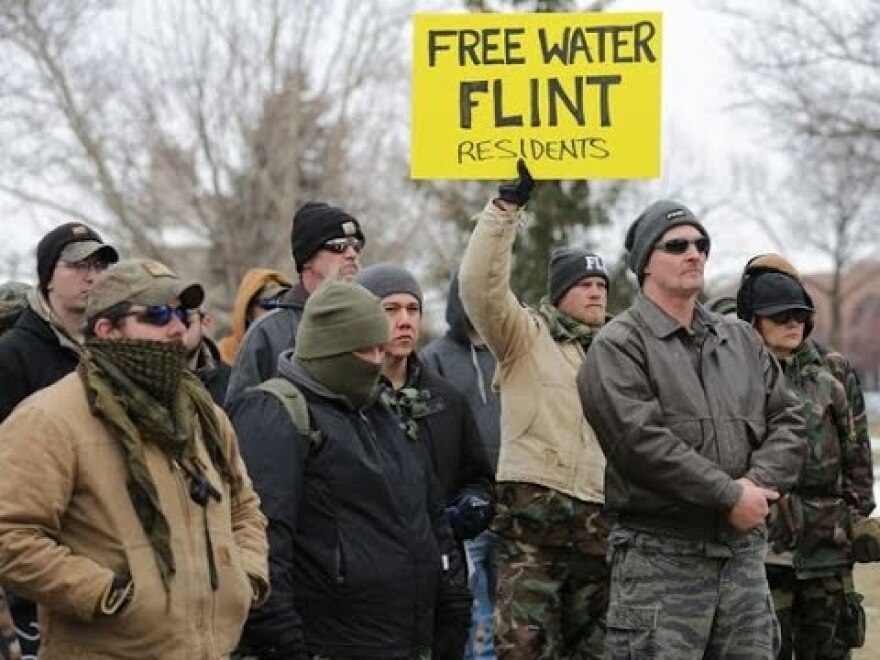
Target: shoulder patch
157	269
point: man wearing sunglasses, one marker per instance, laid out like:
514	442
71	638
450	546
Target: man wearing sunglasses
814	530
45	342
326	243
701	434
126	511
203	356
552	578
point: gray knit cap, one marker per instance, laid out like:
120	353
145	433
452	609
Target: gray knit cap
385	279
568	266
647	229
340	317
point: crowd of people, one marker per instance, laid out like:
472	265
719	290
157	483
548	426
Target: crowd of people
683	480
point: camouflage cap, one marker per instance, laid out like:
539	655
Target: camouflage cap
82	250
141	282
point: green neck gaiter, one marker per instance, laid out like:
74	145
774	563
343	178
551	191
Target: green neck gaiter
563	328
346	375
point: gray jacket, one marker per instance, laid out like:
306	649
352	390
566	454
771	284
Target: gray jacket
681	419
268	337
470	369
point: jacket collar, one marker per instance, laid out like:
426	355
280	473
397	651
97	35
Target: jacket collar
663	325
295	297
43	310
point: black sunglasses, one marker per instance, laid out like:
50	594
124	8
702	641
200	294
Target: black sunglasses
161	315
340	245
782	318
681	245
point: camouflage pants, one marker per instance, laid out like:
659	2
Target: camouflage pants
424	654
679	599
550	603
811	614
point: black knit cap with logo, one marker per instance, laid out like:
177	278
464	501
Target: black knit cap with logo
649	228
314	224
568	266
52	244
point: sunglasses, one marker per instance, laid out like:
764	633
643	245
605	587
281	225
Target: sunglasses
782	318
161	315
681	245
340	245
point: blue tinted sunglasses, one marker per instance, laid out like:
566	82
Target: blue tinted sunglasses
161	315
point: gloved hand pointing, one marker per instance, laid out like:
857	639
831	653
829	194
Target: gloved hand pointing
518	192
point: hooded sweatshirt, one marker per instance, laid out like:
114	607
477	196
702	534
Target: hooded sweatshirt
470	368
254	280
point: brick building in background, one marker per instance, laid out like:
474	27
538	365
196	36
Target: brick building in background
860	316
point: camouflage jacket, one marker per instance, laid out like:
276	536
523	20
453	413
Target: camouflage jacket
835	484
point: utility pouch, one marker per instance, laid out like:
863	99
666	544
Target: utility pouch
852	621
785	523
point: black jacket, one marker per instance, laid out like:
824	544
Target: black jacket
267	338
31	358
446	423
212	371
355	527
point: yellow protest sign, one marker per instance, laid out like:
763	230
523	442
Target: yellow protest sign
576	95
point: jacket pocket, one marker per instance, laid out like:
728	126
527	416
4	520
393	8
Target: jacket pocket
234	594
631	631
826	537
340	569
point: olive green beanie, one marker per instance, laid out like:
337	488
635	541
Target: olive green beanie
340	317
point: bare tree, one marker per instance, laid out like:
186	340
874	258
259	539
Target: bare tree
203	123
809	76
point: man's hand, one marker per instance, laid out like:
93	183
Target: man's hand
751	508
519	191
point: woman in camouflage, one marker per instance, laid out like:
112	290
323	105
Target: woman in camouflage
809	566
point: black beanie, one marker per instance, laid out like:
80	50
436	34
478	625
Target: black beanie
385	279
52	244
314	224
568	266
647	229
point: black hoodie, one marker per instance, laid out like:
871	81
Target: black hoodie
470	368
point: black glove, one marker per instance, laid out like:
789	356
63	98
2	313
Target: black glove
469	515
519	191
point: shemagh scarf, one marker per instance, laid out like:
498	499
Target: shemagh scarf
143	392
563	328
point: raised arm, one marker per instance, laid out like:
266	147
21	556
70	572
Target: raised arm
484	278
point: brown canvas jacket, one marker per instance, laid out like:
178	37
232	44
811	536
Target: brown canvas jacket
677	437
545	438
67	526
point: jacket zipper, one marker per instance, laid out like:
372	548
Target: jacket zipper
412	553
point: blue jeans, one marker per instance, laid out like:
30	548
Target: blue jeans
482	554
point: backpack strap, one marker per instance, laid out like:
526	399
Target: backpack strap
296	406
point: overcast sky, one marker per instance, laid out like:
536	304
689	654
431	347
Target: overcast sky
697	84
